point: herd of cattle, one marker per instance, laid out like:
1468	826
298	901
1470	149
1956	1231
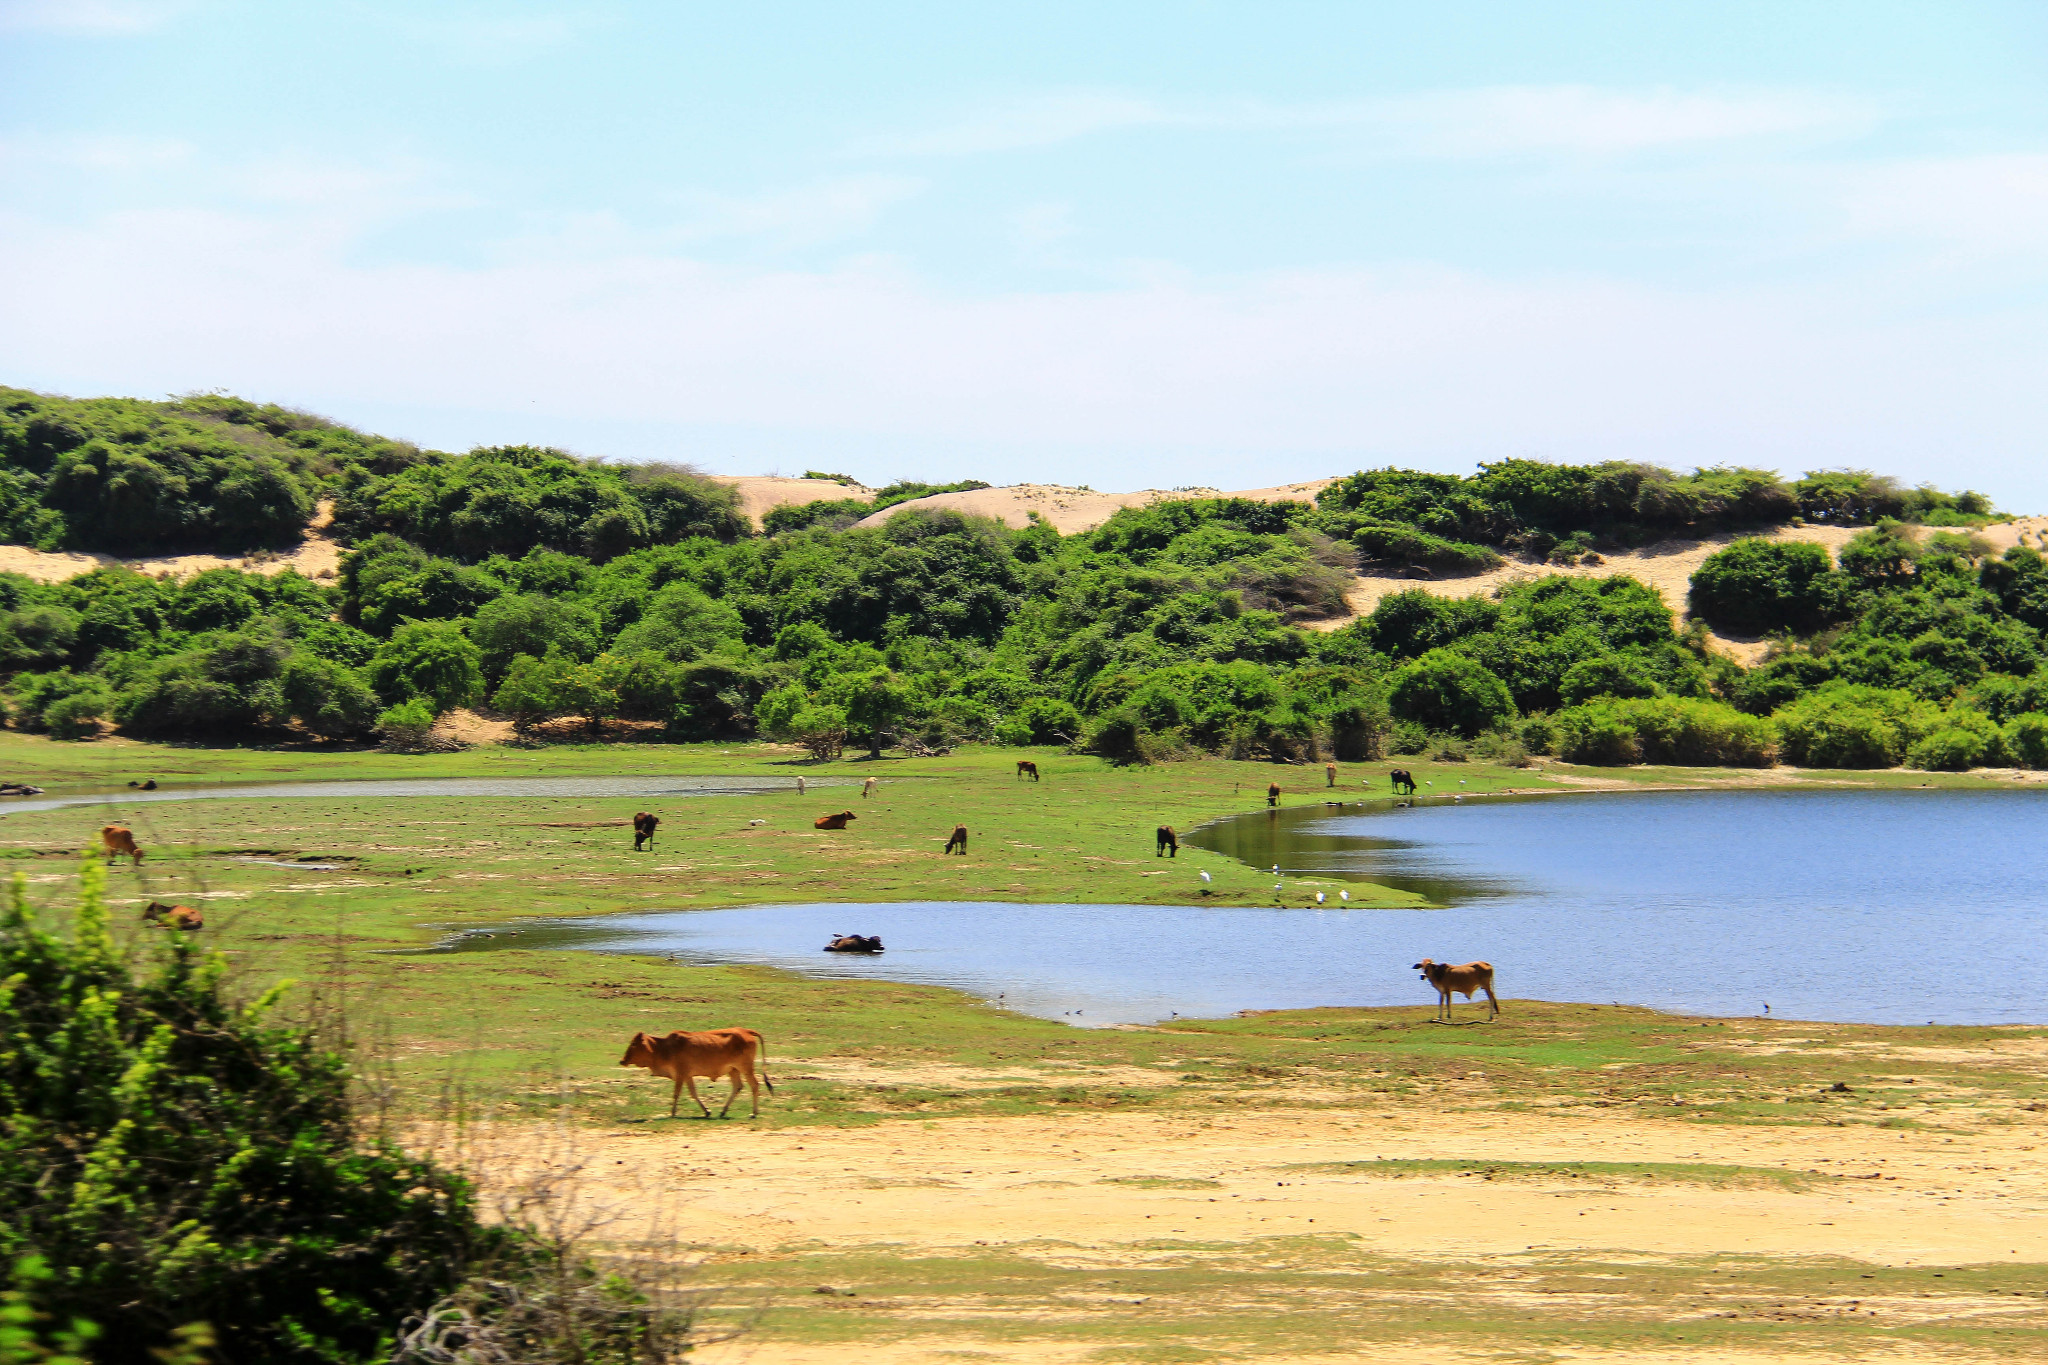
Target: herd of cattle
739	1054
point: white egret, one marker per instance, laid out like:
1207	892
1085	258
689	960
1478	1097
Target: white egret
1343	895
1319	898
1205	876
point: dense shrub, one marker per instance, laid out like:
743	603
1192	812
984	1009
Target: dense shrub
174	1157
1041	720
1446	691
1665	730
2026	740
435	661
1389	543
1755	586
1845	725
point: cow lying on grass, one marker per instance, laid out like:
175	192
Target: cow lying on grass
714	1053
173	916
833	821
1473	976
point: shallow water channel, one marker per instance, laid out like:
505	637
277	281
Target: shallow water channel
1901	907
421	786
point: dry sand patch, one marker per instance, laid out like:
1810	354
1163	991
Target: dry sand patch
1073	510
1115	1182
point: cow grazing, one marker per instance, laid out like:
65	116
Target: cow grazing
855	943
867	788
959	840
1167	845
1473	976
119	839
1403	780
644	826
173	916
1025	767
714	1053
834	821
1273	793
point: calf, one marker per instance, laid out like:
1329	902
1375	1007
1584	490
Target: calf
959	839
1024	766
119	839
1167	845
644	826
1473	976
727	1052
173	916
834	821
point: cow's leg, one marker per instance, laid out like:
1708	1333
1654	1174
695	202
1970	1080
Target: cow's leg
753	1084
1493	1003
676	1097
734	1076
691	1081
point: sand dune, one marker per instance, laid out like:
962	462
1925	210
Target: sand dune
760	494
1081	509
316	556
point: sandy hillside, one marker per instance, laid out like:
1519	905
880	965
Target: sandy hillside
316	557
1667	566
1079	509
759	494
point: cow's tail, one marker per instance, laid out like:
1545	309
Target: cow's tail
761	1054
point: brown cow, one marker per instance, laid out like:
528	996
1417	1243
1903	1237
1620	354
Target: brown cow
1273	793
1168	845
119	839
683	1057
1329	774
644	826
960	838
173	916
1026	766
1473	976
834	821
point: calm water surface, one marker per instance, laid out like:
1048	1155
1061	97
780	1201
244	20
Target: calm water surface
1880	907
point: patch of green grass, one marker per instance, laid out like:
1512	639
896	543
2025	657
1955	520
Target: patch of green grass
1720	1177
1311	1296
1160	1182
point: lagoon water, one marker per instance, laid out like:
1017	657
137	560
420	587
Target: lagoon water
1902	907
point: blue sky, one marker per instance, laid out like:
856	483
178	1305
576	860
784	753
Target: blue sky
1128	245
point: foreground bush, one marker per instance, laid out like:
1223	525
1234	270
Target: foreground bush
1755	586
182	1181
175	1158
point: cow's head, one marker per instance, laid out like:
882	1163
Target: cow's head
639	1052
1429	968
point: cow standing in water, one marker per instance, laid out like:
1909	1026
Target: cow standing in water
1167	845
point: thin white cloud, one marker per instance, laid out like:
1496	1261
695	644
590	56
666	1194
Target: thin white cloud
89	18
1183	380
97	153
1482	122
1974	205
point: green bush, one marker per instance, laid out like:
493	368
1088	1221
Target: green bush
1949	749
1388	543
1041	720
2026	740
406	725
1539	734
77	716
173	1157
1407	738
1447	691
1681	730
435	661
1756	586
1846	725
